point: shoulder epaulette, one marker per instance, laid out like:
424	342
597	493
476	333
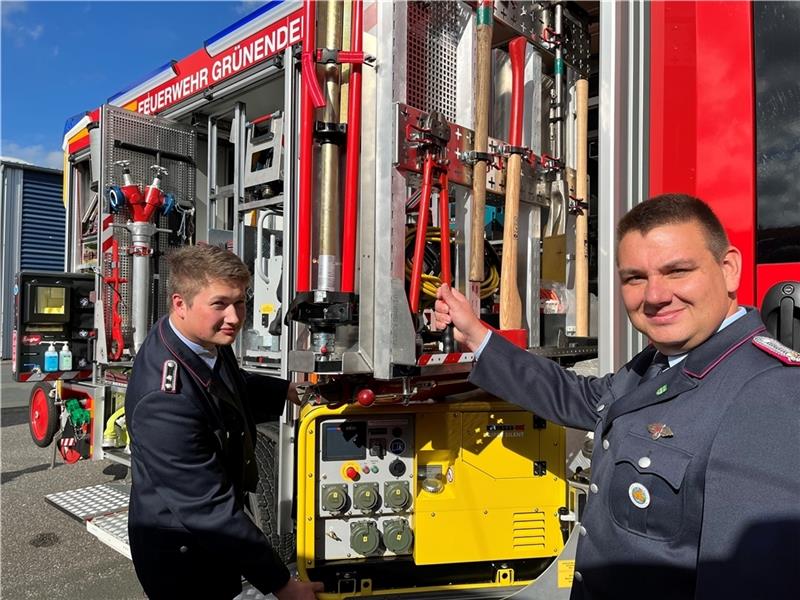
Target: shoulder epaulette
169	377
774	348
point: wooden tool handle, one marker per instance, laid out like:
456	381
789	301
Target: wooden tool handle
510	301
483	90
582	220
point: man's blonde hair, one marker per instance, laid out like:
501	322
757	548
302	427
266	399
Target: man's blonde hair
191	268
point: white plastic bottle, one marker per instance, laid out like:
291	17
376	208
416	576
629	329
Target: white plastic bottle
65	358
51	359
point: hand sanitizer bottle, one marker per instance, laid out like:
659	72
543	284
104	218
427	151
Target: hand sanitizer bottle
65	358
51	359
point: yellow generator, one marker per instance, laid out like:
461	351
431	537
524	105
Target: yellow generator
460	494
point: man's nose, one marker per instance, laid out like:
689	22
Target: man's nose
657	291
232	314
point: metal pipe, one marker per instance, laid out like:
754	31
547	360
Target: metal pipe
141	234
351	181
329	209
305	154
558	86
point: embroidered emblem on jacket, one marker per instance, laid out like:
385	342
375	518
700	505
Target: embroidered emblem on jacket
773	347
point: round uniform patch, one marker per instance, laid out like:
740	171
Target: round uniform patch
639	495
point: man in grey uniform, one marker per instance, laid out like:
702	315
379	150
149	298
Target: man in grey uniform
695	489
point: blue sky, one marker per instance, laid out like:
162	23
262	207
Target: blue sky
62	58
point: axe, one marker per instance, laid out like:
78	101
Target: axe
510	301
483	89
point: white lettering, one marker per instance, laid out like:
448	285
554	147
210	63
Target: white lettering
296	31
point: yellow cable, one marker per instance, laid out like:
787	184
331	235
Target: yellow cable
430	283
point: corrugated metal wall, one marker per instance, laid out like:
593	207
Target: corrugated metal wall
32	225
42	239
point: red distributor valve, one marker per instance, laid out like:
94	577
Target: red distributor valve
153	195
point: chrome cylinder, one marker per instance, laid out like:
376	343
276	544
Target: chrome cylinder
329	153
141	286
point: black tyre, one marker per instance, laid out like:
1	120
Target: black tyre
265	501
42	415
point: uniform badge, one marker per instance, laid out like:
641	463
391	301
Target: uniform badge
169	377
659	430
773	347
639	495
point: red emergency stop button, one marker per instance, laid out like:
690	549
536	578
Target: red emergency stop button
365	397
352	473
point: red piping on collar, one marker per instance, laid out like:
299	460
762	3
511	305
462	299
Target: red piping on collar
721	358
205	382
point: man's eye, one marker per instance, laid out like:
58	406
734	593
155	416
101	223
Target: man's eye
633	279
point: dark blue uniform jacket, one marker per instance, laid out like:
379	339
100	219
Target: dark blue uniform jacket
712	511
192	464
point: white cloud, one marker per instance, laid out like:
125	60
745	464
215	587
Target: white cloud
7	9
20	34
37	155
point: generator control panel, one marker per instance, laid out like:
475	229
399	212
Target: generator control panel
365	487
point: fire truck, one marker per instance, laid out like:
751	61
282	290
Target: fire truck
358	154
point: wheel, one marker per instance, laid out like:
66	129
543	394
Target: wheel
264	502
43	416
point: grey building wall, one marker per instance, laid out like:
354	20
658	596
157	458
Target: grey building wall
32	224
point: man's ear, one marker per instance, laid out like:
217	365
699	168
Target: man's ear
179	306
732	269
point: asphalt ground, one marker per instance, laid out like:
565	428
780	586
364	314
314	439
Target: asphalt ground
44	553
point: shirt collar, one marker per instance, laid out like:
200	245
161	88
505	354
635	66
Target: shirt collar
208	357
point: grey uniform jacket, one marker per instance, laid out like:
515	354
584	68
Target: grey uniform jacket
192	464
712	511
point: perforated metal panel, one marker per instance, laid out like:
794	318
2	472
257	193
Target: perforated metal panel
145	141
434	30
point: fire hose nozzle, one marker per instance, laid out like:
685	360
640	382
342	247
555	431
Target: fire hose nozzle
158	172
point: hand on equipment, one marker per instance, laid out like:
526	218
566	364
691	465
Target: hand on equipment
452	307
292	394
299	590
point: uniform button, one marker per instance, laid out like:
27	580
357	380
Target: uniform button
605	444
183	549
600	407
578	576
644	462
583	530
242	434
593	488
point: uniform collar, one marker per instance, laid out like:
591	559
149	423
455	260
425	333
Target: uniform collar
209	357
195	365
705	357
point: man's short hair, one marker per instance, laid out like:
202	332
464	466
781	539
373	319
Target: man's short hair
674	209
192	268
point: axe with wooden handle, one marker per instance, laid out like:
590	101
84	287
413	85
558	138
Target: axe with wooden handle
483	90
510	301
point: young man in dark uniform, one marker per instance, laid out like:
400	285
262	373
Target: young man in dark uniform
191	413
695	489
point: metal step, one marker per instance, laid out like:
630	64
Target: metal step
87	503
104	509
